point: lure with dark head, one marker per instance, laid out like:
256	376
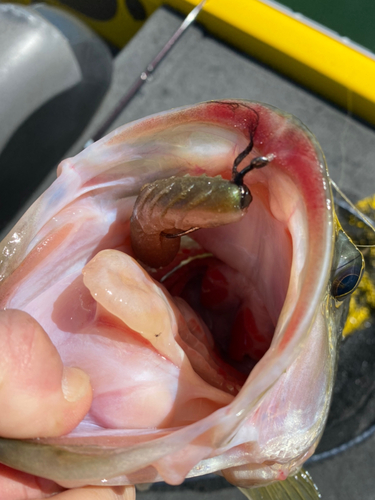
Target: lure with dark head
169	208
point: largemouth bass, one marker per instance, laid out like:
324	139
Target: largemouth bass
228	365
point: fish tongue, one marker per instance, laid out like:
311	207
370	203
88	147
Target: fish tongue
125	292
124	289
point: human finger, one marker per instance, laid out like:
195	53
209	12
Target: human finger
39	397
17	485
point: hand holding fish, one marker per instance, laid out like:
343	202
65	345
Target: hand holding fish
40	397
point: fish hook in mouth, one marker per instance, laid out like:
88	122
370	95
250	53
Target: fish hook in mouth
237	178
258	162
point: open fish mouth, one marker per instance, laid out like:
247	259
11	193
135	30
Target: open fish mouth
223	360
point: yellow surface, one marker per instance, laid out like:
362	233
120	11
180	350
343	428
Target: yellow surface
310	57
305	54
362	303
361	306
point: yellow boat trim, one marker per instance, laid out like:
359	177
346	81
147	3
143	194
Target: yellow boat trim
308	54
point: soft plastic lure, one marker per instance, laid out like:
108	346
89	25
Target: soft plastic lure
169	208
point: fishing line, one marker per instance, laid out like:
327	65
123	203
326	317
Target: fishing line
355	211
144	76
345	133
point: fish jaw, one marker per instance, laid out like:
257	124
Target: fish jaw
87	210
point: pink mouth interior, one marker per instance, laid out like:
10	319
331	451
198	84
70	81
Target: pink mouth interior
184	356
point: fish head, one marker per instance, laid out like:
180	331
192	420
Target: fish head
225	360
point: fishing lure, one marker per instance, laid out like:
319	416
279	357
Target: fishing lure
170	208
